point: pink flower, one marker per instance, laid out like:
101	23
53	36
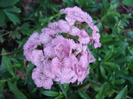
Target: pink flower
57	40
70	20
64	25
37	57
66	62
40	79
94	28
75	31
82	74
96	39
49	31
84	37
62	49
49	52
31	45
47	83
45	38
67	75
76	13
60	53
84	60
56	66
54	27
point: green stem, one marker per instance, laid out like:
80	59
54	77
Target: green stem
5	34
52	17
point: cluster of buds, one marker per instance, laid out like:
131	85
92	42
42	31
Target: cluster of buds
60	53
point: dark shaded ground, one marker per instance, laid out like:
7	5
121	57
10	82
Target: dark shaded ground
123	9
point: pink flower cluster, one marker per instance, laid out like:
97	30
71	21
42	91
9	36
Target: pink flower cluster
60	53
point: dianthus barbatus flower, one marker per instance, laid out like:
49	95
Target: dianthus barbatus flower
60	53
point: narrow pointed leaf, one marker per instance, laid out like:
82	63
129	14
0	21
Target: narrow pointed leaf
16	91
122	94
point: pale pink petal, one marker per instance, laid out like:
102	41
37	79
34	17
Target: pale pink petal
34	36
45	38
64	25
84	60
73	80
31	45
49	52
37	57
56	66
70	20
83	34
90	57
62	49
75	31
57	40
47	83
66	63
38	82
67	75
84	40
53	25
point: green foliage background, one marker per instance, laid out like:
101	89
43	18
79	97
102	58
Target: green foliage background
111	76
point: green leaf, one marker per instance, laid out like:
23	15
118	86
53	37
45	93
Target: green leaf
1	38
12	17
63	89
128	2
10	9
7	64
112	65
16	91
50	93
101	93
102	90
124	59
55	8
2	84
121	49
1	96
42	4
130	33
108	56
107	39
119	81
68	2
2	17
59	96
103	71
6	3
66	86
115	4
83	94
122	94
30	84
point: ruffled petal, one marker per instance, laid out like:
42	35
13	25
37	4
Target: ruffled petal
49	52
84	60
47	83
66	63
64	25
56	66
45	38
37	57
75	31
